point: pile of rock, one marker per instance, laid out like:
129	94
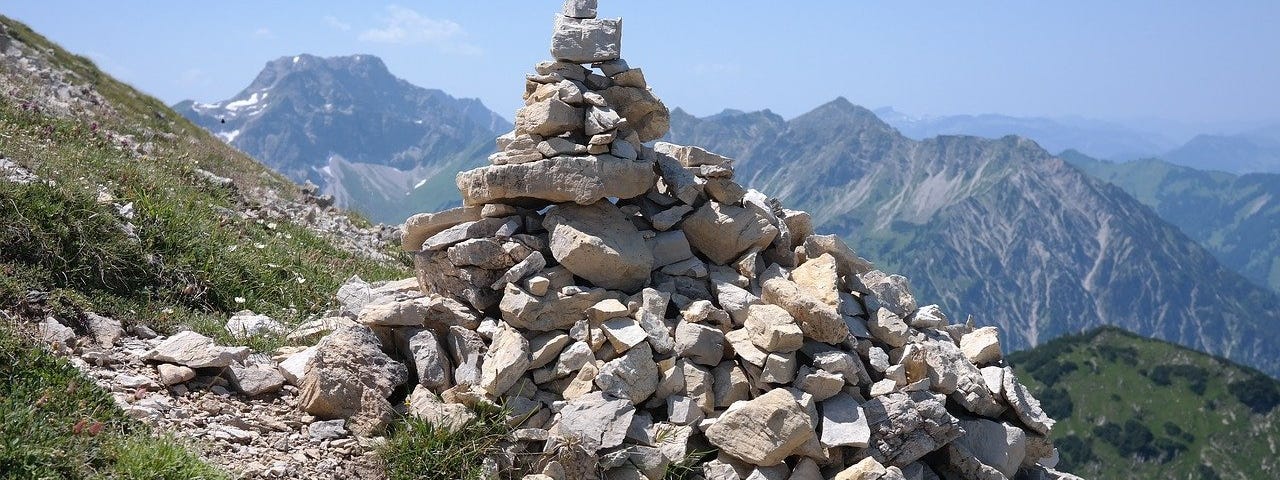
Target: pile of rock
631	305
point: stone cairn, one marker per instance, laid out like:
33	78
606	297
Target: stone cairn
630	306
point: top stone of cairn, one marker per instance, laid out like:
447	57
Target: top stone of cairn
580	37
580	8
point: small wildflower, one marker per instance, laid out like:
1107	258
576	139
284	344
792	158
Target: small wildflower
259	246
239	299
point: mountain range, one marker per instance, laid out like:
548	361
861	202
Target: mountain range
370	139
1235	217
999	229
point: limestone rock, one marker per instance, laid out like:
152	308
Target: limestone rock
192	350
584	180
820	278
725	232
549	118
701	344
348	363
420	227
506	361
105	330
998	445
633	376
171	375
867	469
555	311
598	420
888	327
451	417
818	320
772	329
579	8
254	380
844	423
763	431
907	426
981	346
890	291
1025	405
596	242
644	112
586	40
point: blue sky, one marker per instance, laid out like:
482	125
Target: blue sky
1175	60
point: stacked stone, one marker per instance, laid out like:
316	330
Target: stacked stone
631	305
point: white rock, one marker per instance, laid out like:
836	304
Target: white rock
981	346
763	431
772	329
586	40
633	376
597	243
624	333
246	324
191	349
505	362
702	344
598	420
171	375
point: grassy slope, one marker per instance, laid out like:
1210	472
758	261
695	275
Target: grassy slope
186	262
1132	407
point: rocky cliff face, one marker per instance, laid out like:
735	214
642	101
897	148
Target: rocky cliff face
997	229
307	117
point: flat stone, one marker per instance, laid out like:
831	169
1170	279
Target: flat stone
929	316
105	330
422	226
554	311
191	349
730	384
55	333
981	346
690	156
725	232
451	417
844	424
579	8
482	228
725	191
624	333
600	120
257	379
819	383
867	469
327	429
772	329
597	243
545	348
586	40
560	146
763	431
598	420
295	367
583	180
668	218
532	264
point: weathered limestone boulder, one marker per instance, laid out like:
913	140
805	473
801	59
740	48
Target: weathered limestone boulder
633	376
451	417
725	232
772	329
438	276
586	40
907	426
106	331
867	469
192	350
819	277
891	292
597	243
818	320
762	431
981	346
246	324
690	156
583	180
549	118
347	364
256	379
171	375
644	112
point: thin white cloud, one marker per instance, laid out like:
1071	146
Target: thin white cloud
405	26
263	33
336	24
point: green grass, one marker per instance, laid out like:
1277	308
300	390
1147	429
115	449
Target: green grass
416	450
187	262
1131	407
56	424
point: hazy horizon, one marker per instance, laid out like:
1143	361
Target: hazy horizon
1210	68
